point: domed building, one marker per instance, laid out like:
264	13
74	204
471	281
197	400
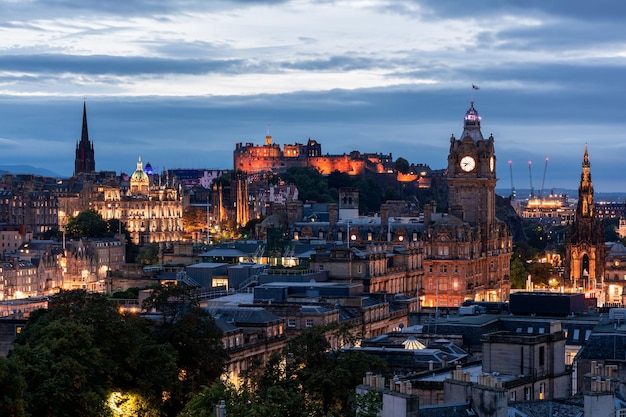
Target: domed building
139	181
151	211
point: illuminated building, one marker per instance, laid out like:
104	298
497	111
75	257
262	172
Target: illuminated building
87	262
29	201
467	250
615	274
269	157
231	200
12	237
585	249
20	280
555	207
150	211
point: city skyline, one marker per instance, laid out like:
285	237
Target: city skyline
180	83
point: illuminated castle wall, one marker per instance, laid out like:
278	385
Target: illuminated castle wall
252	158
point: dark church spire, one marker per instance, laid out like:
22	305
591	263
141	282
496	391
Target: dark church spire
585	189
85	159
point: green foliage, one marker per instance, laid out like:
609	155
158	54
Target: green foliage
541	273
536	236
519	273
75	354
131	293
308	379
192	331
402	165
87	224
369	404
79	350
312	186
148	254
194	218
12	387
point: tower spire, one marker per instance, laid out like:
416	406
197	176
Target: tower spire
84	137
85	161
585	190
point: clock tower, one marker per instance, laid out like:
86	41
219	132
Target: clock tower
467	250
472	173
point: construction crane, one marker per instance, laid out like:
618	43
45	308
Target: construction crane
544	179
530	174
512	186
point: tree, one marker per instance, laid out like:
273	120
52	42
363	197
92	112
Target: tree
87	223
402	165
80	350
518	272
148	254
610	229
192	331
312	186
12	387
194	219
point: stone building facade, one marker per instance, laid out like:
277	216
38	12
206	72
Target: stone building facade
467	250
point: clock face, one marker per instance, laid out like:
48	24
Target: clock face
468	163
492	163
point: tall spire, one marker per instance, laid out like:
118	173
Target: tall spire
585	190
84	137
85	161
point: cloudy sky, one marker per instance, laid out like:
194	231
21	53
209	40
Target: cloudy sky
180	82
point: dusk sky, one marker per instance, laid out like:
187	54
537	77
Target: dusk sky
180	82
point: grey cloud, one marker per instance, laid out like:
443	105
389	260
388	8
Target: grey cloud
103	64
599	10
23	10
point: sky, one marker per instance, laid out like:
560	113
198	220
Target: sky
180	82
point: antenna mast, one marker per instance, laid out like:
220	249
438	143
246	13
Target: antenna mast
530	174
512	186
544	179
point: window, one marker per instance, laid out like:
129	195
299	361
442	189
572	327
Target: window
291	322
527	393
309	322
542	355
321	267
587	334
576	334
530	330
512	397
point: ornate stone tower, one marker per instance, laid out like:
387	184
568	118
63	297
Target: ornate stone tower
467	250
472	174
585	249
85	161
